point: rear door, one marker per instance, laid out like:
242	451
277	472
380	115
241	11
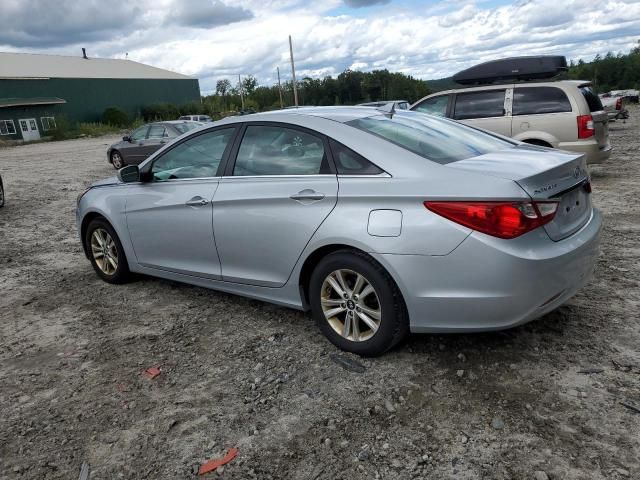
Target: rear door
277	190
600	117
483	109
544	109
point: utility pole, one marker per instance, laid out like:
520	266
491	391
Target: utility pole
241	96
280	87
293	74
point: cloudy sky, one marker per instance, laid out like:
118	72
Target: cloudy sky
213	39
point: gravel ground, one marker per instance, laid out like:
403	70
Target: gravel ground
540	401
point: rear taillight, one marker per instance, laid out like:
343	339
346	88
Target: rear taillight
498	219
619	103
585	126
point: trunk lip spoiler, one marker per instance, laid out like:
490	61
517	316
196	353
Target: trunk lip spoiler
581	183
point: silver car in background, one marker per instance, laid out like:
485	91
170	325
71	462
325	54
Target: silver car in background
378	222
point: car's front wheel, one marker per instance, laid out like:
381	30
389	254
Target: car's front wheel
105	252
116	160
356	303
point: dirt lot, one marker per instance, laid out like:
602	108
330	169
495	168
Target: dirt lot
240	373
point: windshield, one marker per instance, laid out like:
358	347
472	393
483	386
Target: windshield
437	139
186	126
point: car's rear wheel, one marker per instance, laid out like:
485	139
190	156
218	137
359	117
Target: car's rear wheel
356	303
540	143
105	252
116	160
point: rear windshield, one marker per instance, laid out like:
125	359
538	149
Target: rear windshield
186	126
595	105
434	138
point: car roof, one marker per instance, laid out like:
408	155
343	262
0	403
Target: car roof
489	86
338	114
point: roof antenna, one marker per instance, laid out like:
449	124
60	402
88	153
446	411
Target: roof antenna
84	54
388	109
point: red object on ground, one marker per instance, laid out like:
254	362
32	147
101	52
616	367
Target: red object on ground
211	465
152	372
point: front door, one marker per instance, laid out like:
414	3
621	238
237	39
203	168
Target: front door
157	137
29	129
270	203
170	217
133	151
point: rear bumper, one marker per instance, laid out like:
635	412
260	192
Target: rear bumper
593	152
491	284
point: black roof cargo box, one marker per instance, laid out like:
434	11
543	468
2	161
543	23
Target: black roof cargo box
514	69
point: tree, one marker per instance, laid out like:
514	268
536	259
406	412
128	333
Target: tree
249	84
223	87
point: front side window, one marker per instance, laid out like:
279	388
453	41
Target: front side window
434	106
539	100
275	150
197	157
140	133
483	104
437	139
349	162
157	131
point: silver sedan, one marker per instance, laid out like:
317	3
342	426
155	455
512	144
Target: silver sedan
378	222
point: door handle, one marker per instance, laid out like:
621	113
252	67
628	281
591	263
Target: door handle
197	202
307	194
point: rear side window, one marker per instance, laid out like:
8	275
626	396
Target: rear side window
157	131
539	100
485	104
436	139
595	105
349	162
434	106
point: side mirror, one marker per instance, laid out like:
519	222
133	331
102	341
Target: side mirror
126	138
129	174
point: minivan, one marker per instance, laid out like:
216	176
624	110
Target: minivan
565	114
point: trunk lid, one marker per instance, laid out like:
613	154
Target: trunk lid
544	174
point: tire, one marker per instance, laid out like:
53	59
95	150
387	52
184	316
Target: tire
98	255
116	160
1	194
385	301
540	143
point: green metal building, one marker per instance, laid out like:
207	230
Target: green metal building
35	90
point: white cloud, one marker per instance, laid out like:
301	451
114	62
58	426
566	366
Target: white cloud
430	42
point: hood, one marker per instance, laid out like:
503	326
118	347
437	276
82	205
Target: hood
106	181
541	172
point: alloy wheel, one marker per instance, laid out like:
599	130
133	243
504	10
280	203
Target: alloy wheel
350	305
116	160
104	251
